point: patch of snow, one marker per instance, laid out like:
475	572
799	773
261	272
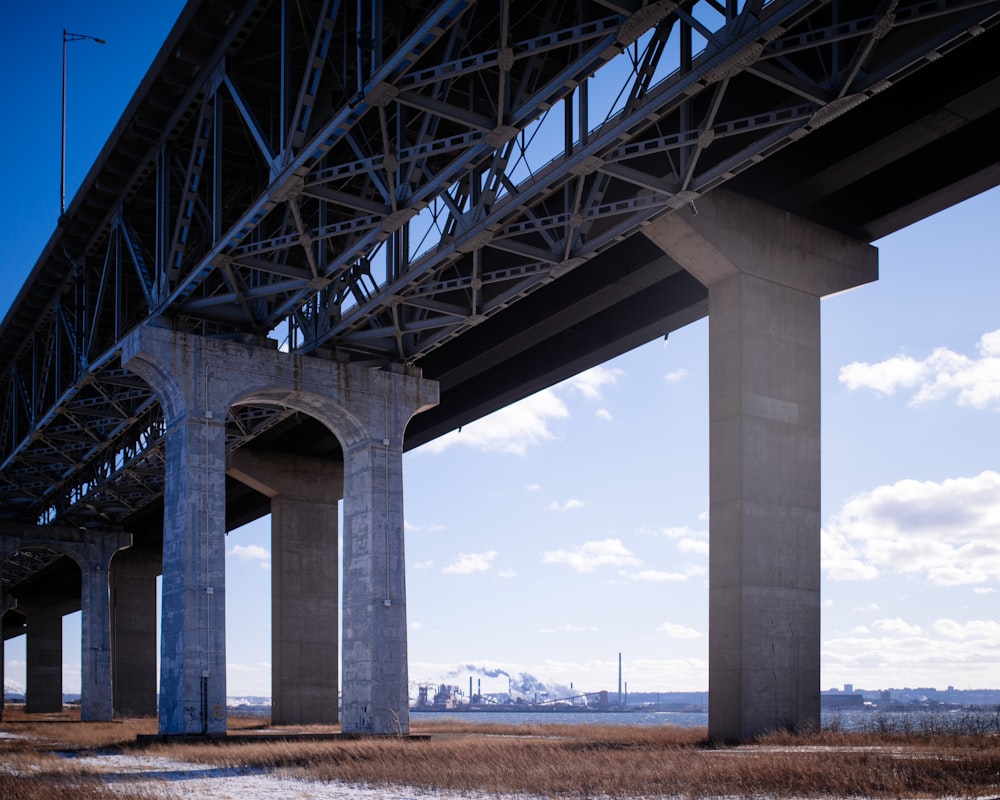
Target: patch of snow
213	783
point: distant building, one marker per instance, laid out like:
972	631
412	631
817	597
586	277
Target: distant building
841	700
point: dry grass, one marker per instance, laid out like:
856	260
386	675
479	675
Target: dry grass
64	731
622	761
578	761
31	767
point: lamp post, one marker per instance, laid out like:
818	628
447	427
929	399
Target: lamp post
67	37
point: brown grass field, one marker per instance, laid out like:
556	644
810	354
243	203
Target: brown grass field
559	761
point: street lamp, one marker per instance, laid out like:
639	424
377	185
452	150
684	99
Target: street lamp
67	37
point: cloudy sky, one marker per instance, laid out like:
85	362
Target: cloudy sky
571	527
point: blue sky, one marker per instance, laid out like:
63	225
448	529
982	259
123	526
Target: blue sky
573	526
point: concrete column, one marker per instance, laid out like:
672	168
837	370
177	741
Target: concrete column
5	603
193	627
133	632
95	649
765	271
43	692
305	604
193	623
376	690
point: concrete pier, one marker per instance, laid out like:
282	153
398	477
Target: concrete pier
95	647
766	272
197	381
193	621
305	603
92	550
8	613
376	689
43	654
133	632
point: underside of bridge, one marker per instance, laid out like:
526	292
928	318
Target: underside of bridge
375	207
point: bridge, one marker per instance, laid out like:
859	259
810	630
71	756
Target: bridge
324	233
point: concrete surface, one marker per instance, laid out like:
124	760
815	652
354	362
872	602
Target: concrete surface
766	271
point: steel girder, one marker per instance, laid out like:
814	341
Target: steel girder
376	179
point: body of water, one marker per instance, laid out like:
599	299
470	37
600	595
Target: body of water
974	720
681	719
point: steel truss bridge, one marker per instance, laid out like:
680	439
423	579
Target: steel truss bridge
457	189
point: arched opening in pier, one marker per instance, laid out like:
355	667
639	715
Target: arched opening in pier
284	485
41	651
13	625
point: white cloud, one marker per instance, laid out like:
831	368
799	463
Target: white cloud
841	558
676	375
687	540
689	545
884	377
533	487
569	505
680	532
984	590
604	415
252	552
972	381
896	626
591	555
913	656
510	430
424	564
526	423
467	563
971	630
989	343
589	382
945	532
657	576
675	631
660	576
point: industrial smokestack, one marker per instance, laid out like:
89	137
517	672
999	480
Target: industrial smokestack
619	679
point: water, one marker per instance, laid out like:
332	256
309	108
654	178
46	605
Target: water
977	720
681	719
984	720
